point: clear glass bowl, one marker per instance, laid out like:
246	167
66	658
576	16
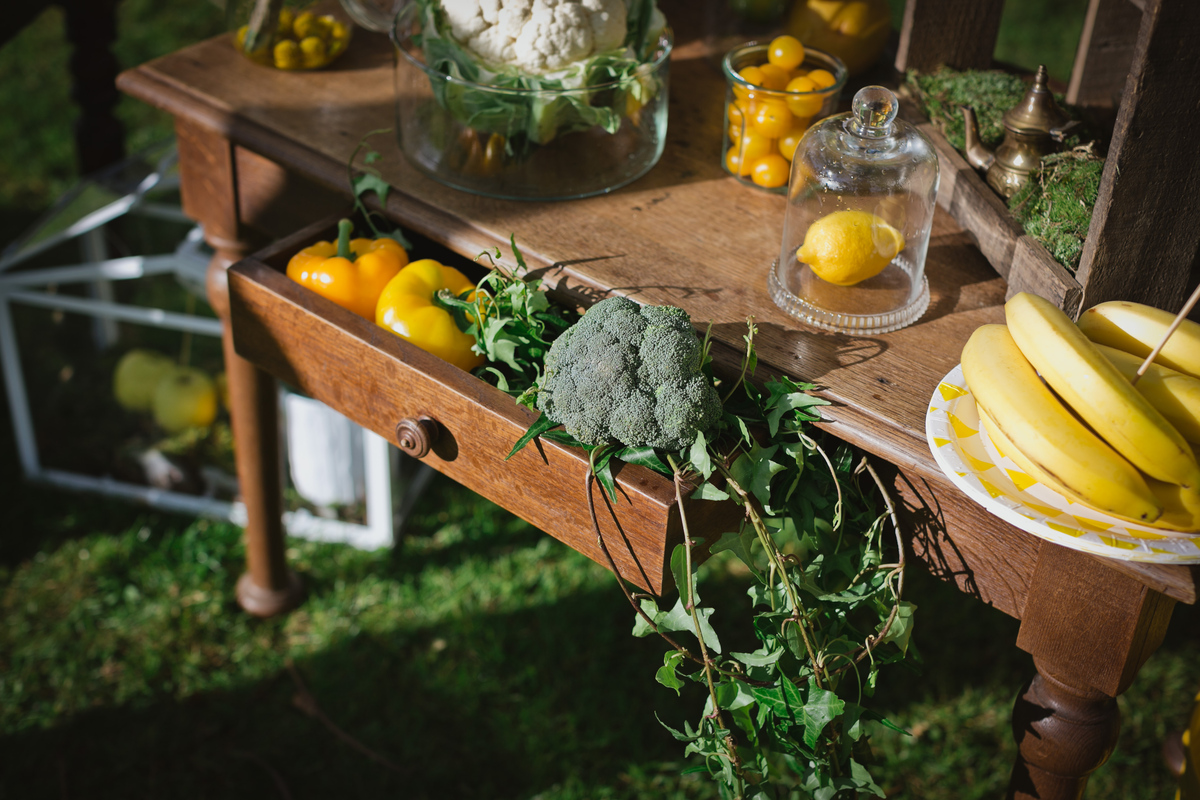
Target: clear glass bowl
522	144
767	123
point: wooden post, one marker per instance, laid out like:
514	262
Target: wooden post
1144	239
950	32
1089	629
208	184
1105	53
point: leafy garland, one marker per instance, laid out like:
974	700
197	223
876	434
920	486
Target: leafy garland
788	718
826	595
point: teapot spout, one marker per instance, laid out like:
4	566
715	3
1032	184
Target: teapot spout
977	155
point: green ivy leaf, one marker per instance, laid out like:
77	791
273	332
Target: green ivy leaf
643	457
677	619
706	491
760	482
679	571
739	542
774	700
822	706
862	779
370	182
666	674
784	402
698	455
539	426
759	658
686	735
901	631
732	695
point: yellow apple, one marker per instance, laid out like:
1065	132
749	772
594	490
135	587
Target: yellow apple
186	397
136	377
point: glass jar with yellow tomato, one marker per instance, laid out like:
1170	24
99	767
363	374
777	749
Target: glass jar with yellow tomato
774	92
291	35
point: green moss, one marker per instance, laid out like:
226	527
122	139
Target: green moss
1055	207
943	93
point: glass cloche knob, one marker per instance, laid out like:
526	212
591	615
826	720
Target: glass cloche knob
874	108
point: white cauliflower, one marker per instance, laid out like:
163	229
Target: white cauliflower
537	36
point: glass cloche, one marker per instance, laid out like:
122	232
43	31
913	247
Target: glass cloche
860	207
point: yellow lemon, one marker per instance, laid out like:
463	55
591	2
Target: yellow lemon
847	247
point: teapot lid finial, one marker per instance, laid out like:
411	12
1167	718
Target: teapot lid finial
1037	110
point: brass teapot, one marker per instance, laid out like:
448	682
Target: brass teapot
1031	130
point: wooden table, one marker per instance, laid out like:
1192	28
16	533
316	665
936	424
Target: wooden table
262	153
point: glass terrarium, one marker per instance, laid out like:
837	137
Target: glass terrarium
575	133
860	208
764	125
291	35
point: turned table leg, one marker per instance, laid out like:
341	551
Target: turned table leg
208	184
1063	735
1090	629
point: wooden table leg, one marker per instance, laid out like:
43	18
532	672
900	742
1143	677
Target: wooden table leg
1090	629
208	183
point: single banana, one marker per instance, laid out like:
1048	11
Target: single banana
1095	390
1076	461
1181	507
1138	328
1175	395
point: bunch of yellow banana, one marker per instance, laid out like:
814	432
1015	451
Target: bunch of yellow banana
1083	428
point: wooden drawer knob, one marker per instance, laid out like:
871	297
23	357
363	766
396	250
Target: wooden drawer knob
416	435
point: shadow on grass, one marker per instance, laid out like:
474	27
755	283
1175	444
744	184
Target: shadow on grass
447	704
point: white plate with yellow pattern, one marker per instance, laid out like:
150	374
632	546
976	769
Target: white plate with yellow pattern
966	454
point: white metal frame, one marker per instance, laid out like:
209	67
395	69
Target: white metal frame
188	263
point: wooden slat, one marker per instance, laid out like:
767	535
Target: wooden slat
948	32
1105	53
1145	231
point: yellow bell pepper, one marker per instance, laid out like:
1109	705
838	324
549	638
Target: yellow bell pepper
407	308
350	272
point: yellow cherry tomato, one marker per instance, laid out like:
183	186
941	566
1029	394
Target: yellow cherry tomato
807	99
774	78
741	157
772	119
353	283
751	75
407	308
788	142
786	52
313	51
823	78
287	55
304	25
770	171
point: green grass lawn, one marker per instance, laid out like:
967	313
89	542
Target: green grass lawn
478	659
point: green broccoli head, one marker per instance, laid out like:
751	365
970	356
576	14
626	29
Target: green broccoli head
630	374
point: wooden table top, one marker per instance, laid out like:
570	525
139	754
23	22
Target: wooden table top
685	234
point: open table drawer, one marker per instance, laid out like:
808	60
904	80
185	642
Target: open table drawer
417	401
